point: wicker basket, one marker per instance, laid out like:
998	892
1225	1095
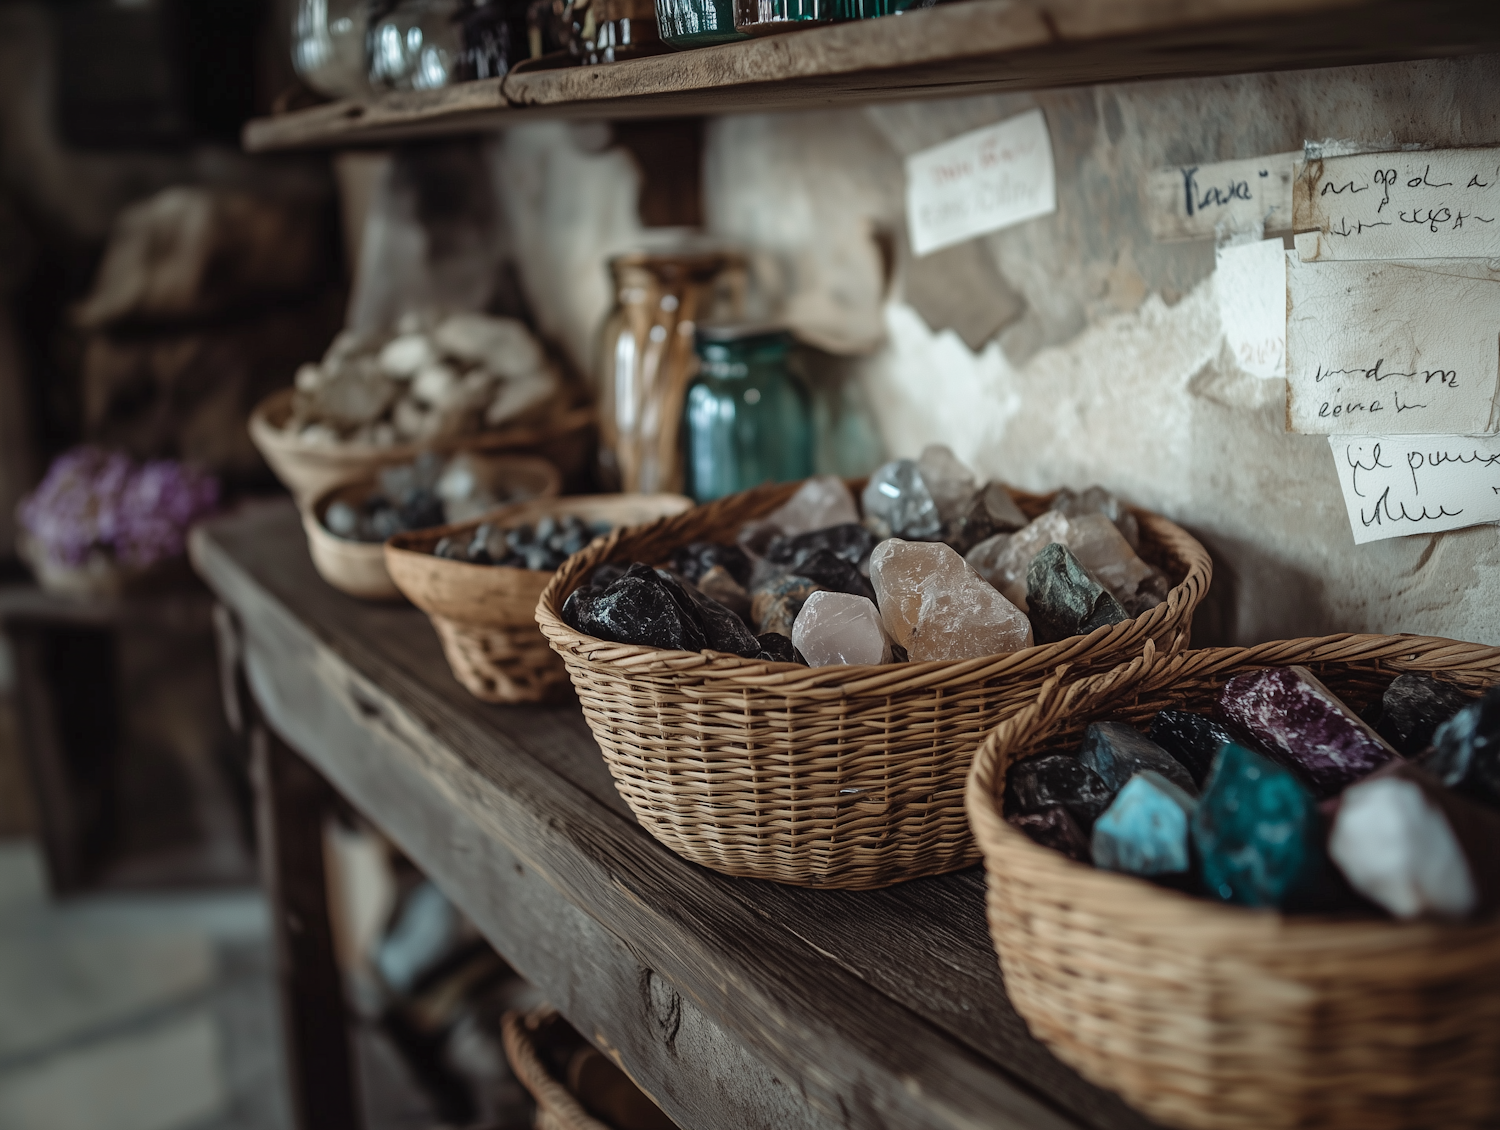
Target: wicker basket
358	567
309	470
557	1106
835	776
1204	1015
486	614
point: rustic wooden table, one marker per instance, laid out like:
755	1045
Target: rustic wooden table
737	1004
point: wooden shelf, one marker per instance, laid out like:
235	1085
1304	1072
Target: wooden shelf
972	47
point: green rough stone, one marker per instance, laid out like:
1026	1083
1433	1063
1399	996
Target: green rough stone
1258	833
1063	599
1146	830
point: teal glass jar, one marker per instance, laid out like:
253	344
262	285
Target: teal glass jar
747	420
767	17
696	23
871	9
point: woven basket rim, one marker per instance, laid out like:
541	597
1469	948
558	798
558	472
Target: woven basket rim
1151	673
275	405
852	679
516	1033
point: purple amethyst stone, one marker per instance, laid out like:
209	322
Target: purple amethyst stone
1305	725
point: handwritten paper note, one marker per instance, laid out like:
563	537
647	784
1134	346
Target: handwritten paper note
980	182
1192	201
1250	284
1426	204
1399	485
1386	348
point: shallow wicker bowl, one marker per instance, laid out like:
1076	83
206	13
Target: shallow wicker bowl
1218	1017
358	567
835	776
486	614
309	470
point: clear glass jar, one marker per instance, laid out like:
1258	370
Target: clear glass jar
646	358
696	23
767	17
747	420
415	44
871	9
328	46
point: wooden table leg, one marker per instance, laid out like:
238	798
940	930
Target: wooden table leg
292	803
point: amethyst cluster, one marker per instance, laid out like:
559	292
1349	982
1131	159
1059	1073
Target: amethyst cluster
94	501
1286	798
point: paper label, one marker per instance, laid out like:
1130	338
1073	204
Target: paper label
1399	485
1423	204
1250	284
1386	348
1193	201
980	182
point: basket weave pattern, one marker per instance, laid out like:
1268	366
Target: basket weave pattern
845	776
1218	1017
501	664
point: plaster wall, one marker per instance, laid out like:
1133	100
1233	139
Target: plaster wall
1108	363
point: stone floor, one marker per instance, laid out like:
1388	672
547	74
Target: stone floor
151	1012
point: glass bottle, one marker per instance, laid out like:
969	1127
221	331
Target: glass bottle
493	36
767	17
747	419
414	44
328	46
697	23
871	9
646	358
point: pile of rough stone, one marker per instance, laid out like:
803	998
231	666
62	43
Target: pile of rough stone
542	547
1284	797
938	567
435	379
416	496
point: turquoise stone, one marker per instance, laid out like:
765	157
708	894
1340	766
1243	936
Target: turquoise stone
1258	832
1146	830
1117	752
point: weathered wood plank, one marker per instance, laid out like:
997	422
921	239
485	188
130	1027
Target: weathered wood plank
291	804
975	47
852	1015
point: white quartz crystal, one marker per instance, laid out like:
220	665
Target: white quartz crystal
937	607
820	502
837	627
951	484
1396	848
404	356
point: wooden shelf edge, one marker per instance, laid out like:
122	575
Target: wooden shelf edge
973	47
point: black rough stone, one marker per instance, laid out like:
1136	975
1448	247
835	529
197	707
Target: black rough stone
836	575
723	630
1194	740
693	560
777	648
1063	599
638	608
851	542
1055	828
1412	709
1466	750
1117	752
1049	779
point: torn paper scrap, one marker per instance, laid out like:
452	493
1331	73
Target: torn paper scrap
1399	485
1392	348
1423	204
1196	201
980	182
1250	284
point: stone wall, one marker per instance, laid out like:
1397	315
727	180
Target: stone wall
1104	359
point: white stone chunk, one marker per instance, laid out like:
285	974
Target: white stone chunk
1004	564
951	484
404	356
837	627
820	502
1396	848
